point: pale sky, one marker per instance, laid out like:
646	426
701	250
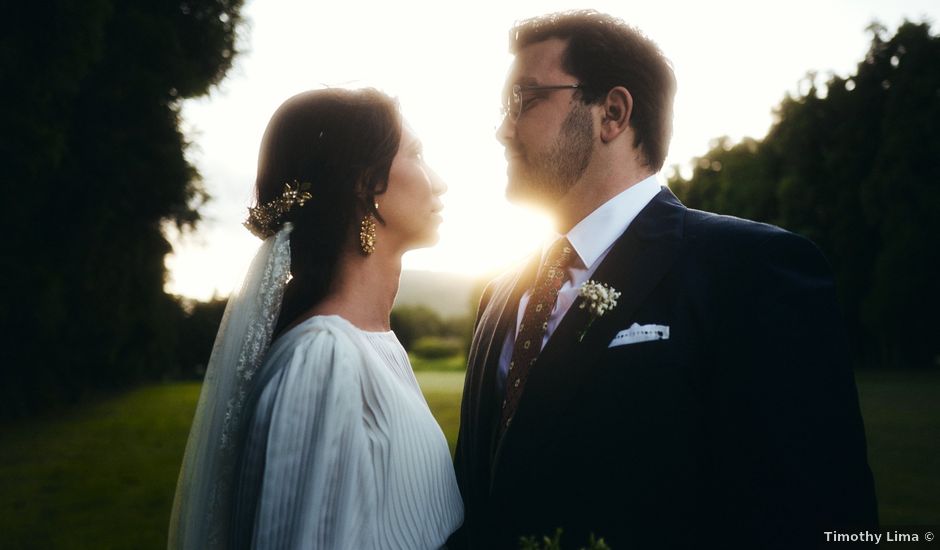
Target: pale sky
734	61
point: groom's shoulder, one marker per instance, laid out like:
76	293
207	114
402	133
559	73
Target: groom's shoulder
506	279
517	268
489	289
718	231
731	241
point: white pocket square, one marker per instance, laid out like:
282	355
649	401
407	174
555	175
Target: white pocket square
640	333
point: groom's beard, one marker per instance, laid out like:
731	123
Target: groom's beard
545	176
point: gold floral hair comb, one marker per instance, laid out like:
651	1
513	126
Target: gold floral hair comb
265	219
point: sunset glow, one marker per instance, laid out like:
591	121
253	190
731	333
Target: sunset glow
734	62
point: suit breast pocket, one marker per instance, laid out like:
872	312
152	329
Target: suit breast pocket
645	376
641	353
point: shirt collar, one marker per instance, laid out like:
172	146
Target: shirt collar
593	235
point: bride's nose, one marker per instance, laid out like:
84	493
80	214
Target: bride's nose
438	186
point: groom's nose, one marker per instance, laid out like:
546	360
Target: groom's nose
506	131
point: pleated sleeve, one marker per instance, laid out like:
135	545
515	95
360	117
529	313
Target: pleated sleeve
317	486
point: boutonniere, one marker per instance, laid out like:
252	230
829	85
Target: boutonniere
598	299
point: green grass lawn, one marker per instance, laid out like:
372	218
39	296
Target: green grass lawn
100	477
902	421
443	389
103	475
457	363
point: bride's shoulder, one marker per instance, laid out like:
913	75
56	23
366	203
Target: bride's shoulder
318	328
318	344
314	368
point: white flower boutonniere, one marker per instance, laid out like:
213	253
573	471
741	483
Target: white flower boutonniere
598	299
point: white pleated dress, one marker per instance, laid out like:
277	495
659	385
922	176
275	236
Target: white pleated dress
342	450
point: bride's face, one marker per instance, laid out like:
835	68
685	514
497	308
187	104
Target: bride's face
411	205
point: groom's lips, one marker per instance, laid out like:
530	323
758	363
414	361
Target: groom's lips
514	162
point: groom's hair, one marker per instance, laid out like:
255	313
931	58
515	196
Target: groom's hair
604	52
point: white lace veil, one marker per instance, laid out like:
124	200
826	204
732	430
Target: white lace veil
205	491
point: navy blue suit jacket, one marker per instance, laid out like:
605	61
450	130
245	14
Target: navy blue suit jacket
742	430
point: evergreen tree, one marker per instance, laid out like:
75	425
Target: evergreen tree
857	171
94	166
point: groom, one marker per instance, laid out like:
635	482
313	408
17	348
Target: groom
714	405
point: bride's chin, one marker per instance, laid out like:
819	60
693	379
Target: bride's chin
431	238
434	230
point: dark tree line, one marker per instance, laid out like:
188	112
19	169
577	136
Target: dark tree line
93	166
857	170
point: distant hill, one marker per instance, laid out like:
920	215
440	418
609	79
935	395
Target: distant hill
449	294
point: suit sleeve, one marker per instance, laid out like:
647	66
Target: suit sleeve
792	442
460	539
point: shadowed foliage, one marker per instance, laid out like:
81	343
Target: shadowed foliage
94	166
854	166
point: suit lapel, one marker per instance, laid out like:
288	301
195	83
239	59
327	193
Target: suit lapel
635	264
499	317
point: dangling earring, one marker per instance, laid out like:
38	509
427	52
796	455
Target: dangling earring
367	233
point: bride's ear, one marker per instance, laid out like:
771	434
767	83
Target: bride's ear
615	119
367	205
363	197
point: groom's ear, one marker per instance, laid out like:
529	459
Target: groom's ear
618	106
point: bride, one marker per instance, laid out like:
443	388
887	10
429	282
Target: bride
322	438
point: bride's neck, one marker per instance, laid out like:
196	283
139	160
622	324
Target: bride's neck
364	290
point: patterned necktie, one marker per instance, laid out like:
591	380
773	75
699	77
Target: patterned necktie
551	276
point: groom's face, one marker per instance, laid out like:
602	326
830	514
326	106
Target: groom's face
549	145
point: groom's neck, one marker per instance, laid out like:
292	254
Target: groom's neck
592	190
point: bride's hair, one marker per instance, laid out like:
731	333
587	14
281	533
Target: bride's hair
342	142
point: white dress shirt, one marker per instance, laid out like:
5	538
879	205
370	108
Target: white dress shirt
592	239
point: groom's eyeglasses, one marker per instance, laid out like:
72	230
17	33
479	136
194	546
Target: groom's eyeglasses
518	102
